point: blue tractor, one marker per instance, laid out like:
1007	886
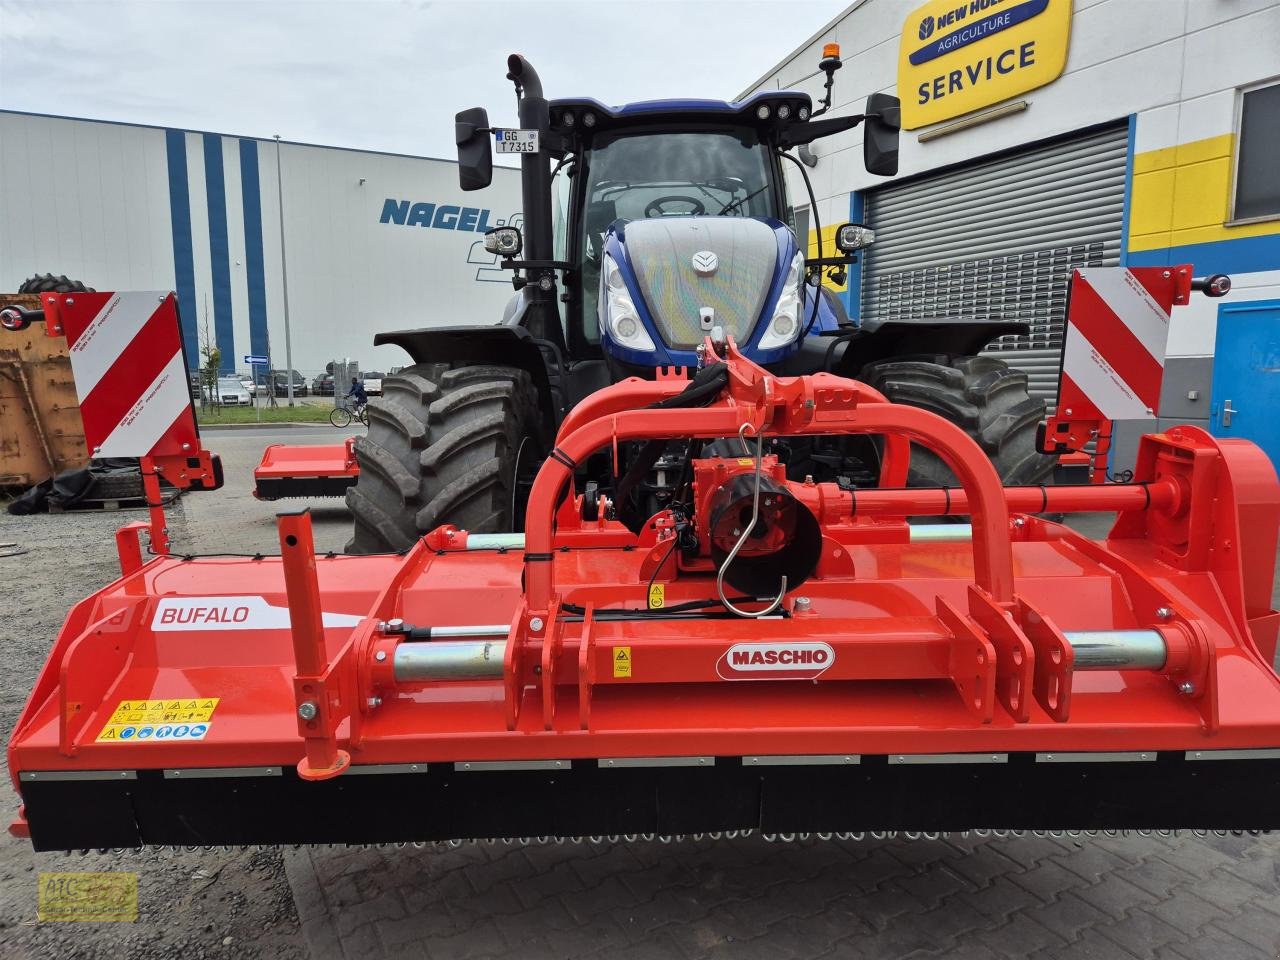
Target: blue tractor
648	228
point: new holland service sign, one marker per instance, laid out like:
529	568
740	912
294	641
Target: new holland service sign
960	55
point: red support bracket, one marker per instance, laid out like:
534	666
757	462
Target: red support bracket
1054	660
321	706
972	663
586	666
1015	658
129	547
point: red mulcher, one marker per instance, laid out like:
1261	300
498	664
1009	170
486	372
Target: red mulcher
789	656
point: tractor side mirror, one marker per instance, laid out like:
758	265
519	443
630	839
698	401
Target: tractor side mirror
475	148
880	136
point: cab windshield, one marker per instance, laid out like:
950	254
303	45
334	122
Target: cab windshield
672	174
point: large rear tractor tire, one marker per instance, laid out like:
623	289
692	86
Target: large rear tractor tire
48	283
444	446
982	396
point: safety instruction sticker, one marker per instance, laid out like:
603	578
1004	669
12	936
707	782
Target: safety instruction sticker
622	661
137	720
657	596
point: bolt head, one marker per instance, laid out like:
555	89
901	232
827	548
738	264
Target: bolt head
1019	521
802	604
535	624
1186	688
307	710
397	624
70	301
375	702
1164	613
380	655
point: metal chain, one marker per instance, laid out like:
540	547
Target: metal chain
668	838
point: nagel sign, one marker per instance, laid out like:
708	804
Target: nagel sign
960	55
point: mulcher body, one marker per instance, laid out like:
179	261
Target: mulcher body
581	678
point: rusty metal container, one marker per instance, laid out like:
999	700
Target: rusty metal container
40	429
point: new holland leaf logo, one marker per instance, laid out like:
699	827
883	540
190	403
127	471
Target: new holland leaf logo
705	262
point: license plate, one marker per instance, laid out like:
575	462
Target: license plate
516	141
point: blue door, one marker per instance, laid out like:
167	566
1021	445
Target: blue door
1246	375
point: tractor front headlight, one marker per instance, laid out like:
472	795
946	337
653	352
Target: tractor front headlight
785	324
621	318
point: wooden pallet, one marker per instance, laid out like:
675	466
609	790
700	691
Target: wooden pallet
109	504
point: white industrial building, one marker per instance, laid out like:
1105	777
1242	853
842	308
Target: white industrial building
372	241
1041	135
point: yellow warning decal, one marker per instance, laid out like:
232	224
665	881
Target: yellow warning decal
622	661
746	462
185	719
657	596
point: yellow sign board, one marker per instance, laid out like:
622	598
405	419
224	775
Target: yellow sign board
957	56
622	661
93	897
657	596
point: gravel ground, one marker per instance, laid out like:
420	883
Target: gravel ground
192	903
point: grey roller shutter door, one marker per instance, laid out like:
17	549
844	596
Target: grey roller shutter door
998	239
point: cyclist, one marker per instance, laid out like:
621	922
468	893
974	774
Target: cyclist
357	391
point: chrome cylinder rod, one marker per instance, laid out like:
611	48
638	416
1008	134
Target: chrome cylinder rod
495	541
459	660
938	532
1117	649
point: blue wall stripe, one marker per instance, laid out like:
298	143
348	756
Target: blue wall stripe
853	293
219	250
184	270
255	271
1245	255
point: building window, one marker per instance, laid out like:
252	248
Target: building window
1257	192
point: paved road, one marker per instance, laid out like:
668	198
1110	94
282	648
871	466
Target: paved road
978	899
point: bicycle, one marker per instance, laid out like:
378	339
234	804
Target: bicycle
342	416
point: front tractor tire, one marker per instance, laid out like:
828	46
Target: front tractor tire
444	446
982	396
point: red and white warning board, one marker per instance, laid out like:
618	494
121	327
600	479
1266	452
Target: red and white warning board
1117	331
130	374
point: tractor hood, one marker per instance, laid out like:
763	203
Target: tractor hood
667	282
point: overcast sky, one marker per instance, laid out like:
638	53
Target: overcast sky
376	74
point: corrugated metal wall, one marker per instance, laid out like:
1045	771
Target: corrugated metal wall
999	239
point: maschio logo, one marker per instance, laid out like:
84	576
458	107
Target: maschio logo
926	28
775	661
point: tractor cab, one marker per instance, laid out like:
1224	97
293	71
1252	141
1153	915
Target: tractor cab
664	222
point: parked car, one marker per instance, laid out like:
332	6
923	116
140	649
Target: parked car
255	389
322	386
282	385
232	393
373	382
194	381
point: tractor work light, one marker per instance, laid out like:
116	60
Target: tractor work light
854	236
763	111
785	324
784	111
504	241
568	118
621	318
588	119
803	113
